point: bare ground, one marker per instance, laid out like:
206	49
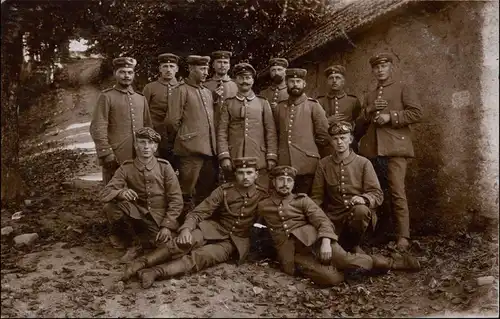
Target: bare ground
72	271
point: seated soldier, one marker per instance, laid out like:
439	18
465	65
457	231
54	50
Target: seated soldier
146	193
215	230
304	237
346	187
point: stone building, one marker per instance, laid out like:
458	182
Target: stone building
448	50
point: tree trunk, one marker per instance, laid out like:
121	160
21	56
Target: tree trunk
11	63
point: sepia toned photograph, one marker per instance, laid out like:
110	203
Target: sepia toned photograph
249	158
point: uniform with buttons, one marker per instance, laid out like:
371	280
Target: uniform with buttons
276	93
117	115
389	145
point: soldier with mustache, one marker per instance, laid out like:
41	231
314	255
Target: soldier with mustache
277	91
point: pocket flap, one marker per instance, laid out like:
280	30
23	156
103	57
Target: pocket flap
185	137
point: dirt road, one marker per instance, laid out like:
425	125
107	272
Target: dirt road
71	271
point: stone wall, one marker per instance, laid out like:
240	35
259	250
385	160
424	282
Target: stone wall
449	52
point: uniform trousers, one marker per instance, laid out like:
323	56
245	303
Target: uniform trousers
303	184
391	172
352	224
107	174
198	176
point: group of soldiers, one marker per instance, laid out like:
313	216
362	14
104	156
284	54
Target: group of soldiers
189	167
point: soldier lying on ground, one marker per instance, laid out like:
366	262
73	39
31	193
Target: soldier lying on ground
212	233
144	192
304	237
347	189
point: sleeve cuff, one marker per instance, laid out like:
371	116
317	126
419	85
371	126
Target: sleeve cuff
103	152
272	156
188	224
332	236
170	224
223	155
395	119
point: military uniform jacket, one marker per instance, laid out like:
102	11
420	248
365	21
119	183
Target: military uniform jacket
229	90
395	137
336	182
229	212
275	94
295	215
347	105
157	187
247	129
159	96
302	126
191	119
117	115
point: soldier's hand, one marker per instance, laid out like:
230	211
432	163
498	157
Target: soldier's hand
380	104
110	161
271	164
381	119
129	195
226	164
325	251
335	118
164	235
185	237
358	200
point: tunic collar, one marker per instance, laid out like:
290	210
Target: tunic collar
297	100
171	83
280	87
391	81
130	90
346	160
278	199
331	95
192	83
149	166
250	191
225	78
241	97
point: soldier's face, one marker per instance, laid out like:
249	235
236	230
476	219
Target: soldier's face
145	148
277	73
125	76
244	82
246	177
295	86
221	66
341	142
336	81
382	71
283	184
168	70
199	72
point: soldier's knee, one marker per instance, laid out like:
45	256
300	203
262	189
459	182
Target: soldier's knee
361	212
112	212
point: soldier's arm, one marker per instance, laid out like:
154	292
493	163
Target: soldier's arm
99	126
175	111
356	111
320	123
147	116
318	186
372	191
222	133
412	112
270	131
115	186
318	219
204	210
173	198
147	92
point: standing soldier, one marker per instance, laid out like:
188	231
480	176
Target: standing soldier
220	83
387	114
338	105
158	94
302	129
277	92
247	127
191	119
120	111
347	189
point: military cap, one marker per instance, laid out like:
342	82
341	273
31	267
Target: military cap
197	60
222	54
243	67
296	73
341	127
334	69
278	61
245	162
149	133
168	58
380	58
283	170
124	62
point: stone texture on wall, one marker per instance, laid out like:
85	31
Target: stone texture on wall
438	50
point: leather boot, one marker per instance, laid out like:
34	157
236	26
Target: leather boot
164	271
404	262
149	260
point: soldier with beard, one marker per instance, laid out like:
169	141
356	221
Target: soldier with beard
302	129
277	92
